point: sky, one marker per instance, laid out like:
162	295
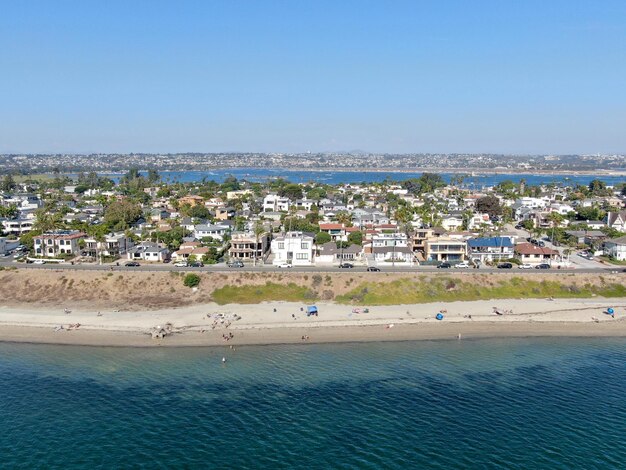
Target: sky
502	76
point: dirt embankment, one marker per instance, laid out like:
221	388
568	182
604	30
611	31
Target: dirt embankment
157	290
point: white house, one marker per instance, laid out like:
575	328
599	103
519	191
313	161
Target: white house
216	231
17	227
58	242
113	245
391	247
149	251
616	220
274	203
293	247
616	248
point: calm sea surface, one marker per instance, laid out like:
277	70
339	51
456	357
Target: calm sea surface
515	403
336	177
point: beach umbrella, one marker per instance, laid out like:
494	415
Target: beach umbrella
610	311
439	316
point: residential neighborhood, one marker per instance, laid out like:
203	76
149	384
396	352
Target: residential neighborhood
418	222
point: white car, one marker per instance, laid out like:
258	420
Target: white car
181	264
284	265
525	266
464	265
39	261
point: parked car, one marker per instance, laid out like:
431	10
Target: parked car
181	264
444	265
39	261
132	264
462	265
346	265
373	269
197	264
525	266
505	266
235	264
542	266
284	265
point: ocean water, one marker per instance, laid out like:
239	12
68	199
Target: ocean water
514	403
336	177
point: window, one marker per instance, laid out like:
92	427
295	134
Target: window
304	246
302	256
281	245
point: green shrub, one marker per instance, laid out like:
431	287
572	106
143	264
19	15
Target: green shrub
191	280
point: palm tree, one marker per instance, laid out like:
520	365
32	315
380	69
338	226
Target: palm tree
258	231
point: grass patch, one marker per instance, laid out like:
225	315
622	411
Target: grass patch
264	293
407	291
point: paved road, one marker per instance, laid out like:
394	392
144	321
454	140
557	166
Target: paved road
320	269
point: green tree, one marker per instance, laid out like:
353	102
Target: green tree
119	215
8	183
597	186
426	183
489	204
292	191
355	238
322	237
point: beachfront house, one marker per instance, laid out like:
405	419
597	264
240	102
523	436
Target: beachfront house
616	220
528	253
17	227
391	247
293	247
113	245
148	251
445	249
247	246
490	249
58	242
616	248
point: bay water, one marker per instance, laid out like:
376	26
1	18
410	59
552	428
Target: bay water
557	403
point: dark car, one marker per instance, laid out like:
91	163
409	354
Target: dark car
132	264
346	265
197	264
373	268
235	264
444	265
505	266
542	266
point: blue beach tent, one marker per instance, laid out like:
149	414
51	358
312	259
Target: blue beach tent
439	316
311	310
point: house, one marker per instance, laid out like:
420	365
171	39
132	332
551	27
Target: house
337	232
616	248
17	227
275	203
114	245
58	242
533	254
215	231
586	237
616	220
148	251
446	249
224	212
247	246
293	247
7	245
393	247
191	200
329	253
490	249
451	222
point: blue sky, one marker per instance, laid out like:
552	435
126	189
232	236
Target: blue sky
291	76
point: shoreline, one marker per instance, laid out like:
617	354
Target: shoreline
285	323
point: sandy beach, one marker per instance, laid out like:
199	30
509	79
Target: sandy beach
283	322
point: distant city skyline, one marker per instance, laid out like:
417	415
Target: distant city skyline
267	76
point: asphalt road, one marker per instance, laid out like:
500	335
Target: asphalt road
315	269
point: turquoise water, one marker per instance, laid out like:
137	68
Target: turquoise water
514	403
